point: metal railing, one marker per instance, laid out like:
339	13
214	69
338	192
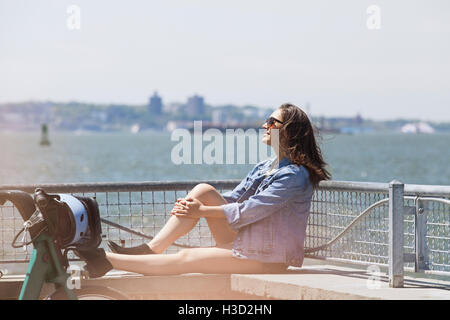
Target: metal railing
404	227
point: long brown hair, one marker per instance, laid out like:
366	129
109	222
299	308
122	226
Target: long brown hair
298	142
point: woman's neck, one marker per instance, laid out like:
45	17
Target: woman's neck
280	156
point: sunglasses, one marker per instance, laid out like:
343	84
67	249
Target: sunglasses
271	122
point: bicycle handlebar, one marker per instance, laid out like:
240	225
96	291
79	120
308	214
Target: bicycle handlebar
40	198
21	200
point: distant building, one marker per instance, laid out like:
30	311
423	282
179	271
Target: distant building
195	106
250	112
178	124
308	109
173	107
263	114
155	105
218	116
359	120
100	116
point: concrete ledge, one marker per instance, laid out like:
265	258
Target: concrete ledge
137	287
330	282
176	287
314	281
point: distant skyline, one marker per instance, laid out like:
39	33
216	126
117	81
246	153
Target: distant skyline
261	53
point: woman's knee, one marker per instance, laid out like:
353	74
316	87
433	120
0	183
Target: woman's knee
195	255
202	188
207	194
184	256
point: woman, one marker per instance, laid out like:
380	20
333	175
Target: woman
258	227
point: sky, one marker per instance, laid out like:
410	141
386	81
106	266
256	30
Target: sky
329	55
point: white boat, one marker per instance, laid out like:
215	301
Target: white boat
419	127
135	128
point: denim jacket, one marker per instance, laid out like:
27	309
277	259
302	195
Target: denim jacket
270	213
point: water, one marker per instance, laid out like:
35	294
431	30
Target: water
119	157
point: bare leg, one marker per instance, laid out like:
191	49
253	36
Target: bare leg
198	260
179	226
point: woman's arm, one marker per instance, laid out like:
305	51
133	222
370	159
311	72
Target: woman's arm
271	200
212	212
236	193
193	208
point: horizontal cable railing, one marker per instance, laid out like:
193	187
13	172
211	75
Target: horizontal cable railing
349	221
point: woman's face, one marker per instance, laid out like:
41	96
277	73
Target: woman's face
276	125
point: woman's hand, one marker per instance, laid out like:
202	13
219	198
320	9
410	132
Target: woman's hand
188	207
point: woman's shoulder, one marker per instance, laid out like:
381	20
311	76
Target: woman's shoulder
264	163
296	169
260	166
298	174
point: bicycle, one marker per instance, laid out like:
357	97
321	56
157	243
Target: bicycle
57	224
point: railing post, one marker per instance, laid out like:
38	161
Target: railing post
396	209
421	259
